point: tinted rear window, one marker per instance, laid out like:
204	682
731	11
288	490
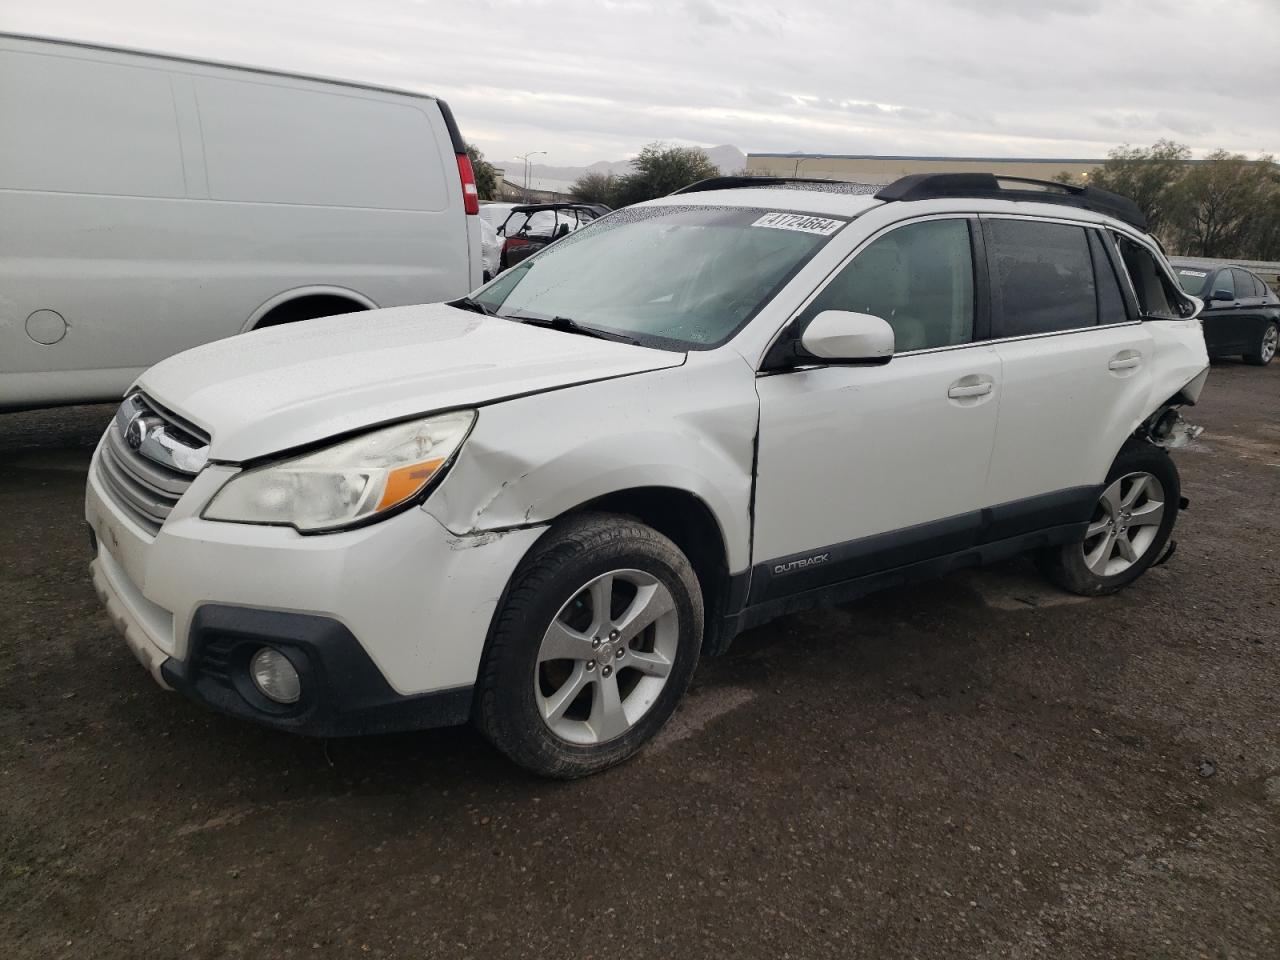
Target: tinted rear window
1041	277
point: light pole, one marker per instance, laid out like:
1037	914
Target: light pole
525	158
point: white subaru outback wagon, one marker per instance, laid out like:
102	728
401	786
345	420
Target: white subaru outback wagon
534	508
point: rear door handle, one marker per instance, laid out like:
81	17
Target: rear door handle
960	391
1123	362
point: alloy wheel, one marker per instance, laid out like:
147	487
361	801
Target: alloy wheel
606	656
1270	340
1125	524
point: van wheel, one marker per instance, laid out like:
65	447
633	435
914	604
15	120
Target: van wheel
1265	351
1131	524
592	649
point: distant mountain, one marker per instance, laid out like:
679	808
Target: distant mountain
728	158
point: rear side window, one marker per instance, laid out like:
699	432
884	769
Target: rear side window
1244	284
80	126
1157	296
1111	308
918	277
277	144
1041	277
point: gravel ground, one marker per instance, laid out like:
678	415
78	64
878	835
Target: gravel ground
978	767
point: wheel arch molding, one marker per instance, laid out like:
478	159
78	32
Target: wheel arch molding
297	294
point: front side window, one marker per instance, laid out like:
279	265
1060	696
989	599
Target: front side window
1225	283
1157	296
1041	277
680	277
918	277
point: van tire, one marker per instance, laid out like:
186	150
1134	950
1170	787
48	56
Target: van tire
1068	565
552	582
308	308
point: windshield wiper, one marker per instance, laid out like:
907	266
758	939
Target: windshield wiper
475	306
567	325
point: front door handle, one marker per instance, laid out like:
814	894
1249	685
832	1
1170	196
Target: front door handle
960	391
1125	361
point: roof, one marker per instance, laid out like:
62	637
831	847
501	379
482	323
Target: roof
223	64
1256	266
780	198
885	156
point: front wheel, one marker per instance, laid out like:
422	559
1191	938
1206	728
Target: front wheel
1265	351
1130	526
593	648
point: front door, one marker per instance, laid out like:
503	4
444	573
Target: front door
864	468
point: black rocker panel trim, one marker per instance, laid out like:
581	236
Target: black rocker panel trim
803	572
931	569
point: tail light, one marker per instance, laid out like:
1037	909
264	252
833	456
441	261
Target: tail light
470	195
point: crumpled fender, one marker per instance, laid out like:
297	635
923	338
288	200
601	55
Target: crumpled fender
532	459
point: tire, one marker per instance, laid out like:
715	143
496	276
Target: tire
559	716
1142	515
1265	350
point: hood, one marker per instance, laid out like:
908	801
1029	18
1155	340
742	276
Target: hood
279	388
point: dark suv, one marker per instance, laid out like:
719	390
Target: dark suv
1241	313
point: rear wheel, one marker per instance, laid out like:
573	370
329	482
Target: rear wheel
593	648
1130	526
1265	351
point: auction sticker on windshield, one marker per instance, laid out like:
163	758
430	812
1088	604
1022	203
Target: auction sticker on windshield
801	222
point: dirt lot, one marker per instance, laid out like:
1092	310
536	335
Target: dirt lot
980	767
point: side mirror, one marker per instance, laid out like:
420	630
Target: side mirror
1222	296
840	336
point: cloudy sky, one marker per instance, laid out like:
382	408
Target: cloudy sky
596	79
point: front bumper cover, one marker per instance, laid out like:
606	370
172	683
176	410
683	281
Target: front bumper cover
343	692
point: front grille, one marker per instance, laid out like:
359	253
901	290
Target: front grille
148	459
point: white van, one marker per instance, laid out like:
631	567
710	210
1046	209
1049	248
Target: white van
150	204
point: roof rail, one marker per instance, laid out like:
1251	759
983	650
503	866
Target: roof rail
733	183
931	186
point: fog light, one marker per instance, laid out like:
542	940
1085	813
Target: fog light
274	676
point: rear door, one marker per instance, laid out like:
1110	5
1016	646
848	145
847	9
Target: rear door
1249	317
1076	368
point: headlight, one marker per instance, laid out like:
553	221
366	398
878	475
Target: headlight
348	482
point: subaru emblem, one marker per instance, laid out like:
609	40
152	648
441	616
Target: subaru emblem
135	432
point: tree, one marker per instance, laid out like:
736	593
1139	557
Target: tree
660	169
486	178
1064	176
1146	175
595	188
1219	207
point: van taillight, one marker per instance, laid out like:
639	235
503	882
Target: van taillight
470	195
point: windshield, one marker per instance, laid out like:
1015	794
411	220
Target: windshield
681	277
1192	280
